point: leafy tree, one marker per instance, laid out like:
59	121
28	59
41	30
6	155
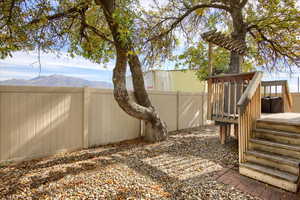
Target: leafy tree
270	29
195	56
101	30
96	29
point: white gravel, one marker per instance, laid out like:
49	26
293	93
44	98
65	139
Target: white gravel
183	167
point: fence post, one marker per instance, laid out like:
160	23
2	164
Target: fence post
86	106
204	105
177	110
200	103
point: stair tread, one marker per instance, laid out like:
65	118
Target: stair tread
277	132
275	121
277	144
275	157
270	171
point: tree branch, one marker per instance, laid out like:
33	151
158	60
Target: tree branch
59	15
187	13
97	32
85	25
274	46
243	3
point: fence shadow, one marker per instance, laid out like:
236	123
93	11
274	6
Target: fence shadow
184	152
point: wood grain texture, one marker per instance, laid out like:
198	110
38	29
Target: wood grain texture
287	185
247	121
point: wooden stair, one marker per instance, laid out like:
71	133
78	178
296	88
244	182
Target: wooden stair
273	155
269	144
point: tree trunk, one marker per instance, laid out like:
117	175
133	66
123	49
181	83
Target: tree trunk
141	109
155	128
239	33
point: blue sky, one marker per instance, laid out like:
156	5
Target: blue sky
24	65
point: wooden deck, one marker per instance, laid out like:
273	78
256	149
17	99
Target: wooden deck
269	144
286	118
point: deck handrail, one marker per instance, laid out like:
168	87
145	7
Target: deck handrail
223	93
226	77
250	90
287	97
249	107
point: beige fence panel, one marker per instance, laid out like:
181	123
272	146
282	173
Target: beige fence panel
166	105
38	121
296	102
190	110
204	120
108	123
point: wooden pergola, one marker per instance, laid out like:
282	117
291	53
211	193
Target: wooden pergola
225	41
239	47
222	40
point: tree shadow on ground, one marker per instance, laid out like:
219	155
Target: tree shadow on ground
187	144
11	175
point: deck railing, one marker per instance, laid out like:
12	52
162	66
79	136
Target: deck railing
278	88
224	91
249	107
236	99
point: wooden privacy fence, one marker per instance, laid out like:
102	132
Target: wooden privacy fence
40	121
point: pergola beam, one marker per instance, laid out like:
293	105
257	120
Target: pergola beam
225	41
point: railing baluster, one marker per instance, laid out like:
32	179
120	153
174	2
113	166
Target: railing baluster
234	101
217	97
242	86
281	89
222	98
229	99
225	92
249	111
214	101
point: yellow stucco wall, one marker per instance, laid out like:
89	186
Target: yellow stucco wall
183	81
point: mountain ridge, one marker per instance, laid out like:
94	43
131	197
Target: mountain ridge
57	81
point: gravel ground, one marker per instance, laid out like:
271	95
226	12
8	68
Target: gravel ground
184	167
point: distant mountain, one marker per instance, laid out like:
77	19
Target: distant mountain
58	81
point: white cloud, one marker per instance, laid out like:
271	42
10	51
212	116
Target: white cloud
148	4
22	58
5	75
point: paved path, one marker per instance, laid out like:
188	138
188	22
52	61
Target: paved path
253	187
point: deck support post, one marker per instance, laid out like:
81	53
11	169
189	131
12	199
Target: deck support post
222	133
236	131
225	131
228	130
